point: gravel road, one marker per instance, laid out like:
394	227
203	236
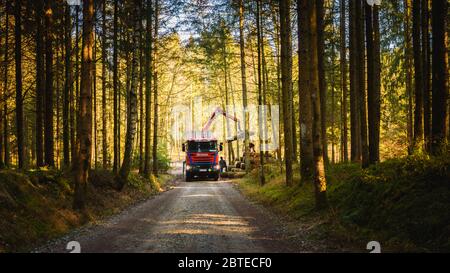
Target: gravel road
202	216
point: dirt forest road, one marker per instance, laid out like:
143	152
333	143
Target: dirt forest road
201	216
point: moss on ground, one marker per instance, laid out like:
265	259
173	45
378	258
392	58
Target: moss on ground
36	205
403	203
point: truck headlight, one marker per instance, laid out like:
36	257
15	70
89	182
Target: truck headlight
217	167
188	167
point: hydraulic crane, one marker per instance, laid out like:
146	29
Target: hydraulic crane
202	151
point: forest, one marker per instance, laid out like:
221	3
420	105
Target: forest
355	91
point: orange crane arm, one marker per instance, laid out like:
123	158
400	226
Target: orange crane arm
217	112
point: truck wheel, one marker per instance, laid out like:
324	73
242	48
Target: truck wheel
216	177
188	177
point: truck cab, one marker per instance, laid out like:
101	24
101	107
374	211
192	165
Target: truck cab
202	159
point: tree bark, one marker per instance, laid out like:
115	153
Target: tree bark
260	99
94	92
373	82
48	101
322	80
286	79
306	148
408	73
244	87
333	100
426	74
223	36
148	87
19	97
40	82
141	98
84	121
375	146
104	62
343	64
440	74
320	183
5	98
155	99
362	103
355	153
2	92
418	76
67	87
74	104
265	83
277	61
132	102
116	88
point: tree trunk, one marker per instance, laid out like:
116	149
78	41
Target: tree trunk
48	112
294	128
155	99
2	92
375	146
141	96
265	81
426	74
244	87
19	98
67	88
362	106
116	88
440	74
408	73
94	94
333	100
148	87
373	82
74	104
223	36
84	120
418	76
306	148
260	102
286	78
58	61
322	81
40	83
355	153
5	98
132	102
320	183
343	63
104	62
277	61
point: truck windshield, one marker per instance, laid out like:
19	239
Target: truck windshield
210	146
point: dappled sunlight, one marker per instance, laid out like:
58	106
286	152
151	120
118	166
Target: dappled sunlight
220	182
199	195
202	185
208	224
187	187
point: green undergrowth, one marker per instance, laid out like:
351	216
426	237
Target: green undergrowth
402	203
36	205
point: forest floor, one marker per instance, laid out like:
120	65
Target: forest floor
403	203
36	205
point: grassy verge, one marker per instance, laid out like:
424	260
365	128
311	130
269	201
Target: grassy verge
403	203
36	206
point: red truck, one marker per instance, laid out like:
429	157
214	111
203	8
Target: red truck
202	151
202	158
